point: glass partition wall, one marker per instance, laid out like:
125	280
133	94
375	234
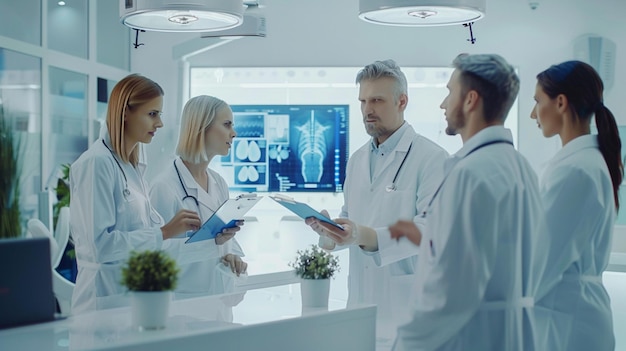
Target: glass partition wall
20	101
68	136
49	73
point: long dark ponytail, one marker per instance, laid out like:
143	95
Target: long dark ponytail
583	87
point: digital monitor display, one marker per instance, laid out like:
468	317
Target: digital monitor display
286	148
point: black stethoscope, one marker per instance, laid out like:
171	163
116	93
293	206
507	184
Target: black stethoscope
154	217
393	187
187	196
432	199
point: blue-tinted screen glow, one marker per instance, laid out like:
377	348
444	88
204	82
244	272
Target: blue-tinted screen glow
285	148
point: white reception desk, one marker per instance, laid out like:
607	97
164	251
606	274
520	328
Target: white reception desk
259	319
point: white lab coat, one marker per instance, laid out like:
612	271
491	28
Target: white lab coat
385	277
201	269
106	225
580	213
475	276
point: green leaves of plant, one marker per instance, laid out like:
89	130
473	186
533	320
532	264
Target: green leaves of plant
315	263
10	225
63	192
150	271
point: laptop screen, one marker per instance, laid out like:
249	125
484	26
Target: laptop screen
26	294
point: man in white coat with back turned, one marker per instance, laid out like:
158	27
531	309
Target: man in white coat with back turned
477	270
389	178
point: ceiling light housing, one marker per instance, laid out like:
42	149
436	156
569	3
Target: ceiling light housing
415	13
181	15
254	24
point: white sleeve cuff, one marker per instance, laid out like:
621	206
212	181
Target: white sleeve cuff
391	250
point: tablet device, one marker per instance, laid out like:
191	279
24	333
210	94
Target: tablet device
226	216
303	210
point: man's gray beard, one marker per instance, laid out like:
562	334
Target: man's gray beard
375	132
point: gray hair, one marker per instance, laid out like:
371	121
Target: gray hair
386	68
493	79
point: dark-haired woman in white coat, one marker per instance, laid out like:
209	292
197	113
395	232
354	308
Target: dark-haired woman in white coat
580	196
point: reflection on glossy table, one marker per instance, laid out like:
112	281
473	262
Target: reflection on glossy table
267	319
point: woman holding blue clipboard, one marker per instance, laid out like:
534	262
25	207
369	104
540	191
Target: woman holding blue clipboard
187	183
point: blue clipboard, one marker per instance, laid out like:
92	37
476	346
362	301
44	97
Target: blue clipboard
303	210
226	216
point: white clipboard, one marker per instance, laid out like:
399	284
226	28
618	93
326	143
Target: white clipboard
226	216
303	210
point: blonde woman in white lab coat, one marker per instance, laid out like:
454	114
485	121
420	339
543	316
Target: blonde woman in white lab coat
580	196
111	212
206	131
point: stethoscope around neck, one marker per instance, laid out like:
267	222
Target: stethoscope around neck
154	216
392	186
432	198
187	196
126	191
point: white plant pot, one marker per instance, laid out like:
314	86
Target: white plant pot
149	309
314	292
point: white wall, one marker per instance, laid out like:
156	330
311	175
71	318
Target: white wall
329	33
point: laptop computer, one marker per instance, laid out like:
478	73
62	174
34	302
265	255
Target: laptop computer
26	294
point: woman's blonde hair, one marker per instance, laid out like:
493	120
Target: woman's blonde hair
198	114
131	92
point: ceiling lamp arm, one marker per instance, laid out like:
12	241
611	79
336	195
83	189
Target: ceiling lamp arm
471	39
137	44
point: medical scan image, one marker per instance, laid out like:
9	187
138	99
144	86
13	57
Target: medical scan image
287	148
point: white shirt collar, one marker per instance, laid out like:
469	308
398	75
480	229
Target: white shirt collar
391	142
577	144
486	135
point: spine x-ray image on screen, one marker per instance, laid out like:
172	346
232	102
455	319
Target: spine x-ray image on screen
284	148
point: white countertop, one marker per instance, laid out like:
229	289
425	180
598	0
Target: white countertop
191	320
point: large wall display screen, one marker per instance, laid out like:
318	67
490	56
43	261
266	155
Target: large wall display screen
287	148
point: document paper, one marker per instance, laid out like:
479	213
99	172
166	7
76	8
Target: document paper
226	216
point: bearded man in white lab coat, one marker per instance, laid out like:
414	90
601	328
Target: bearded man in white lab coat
389	178
475	279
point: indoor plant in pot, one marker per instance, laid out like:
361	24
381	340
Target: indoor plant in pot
315	267
10	216
150	276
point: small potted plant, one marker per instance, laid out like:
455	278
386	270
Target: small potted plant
315	267
150	276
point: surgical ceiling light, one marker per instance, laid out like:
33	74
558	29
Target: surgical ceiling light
415	13
181	15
